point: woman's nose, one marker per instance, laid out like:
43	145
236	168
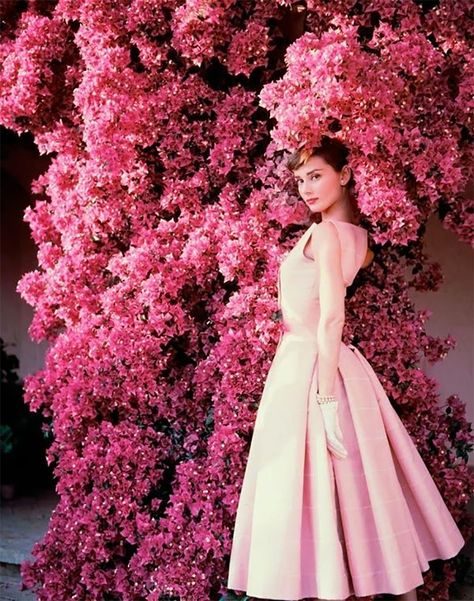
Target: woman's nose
305	186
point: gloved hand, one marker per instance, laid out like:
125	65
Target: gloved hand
333	430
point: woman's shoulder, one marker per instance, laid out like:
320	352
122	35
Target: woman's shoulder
353	236
345	229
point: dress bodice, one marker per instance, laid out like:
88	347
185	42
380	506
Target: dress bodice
298	277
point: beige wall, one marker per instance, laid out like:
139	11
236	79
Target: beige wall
453	314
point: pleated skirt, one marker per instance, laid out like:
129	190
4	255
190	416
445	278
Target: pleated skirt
311	525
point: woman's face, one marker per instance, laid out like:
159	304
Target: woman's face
319	184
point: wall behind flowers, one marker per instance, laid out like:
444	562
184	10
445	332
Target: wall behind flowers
160	224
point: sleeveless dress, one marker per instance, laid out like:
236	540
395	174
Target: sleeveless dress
309	524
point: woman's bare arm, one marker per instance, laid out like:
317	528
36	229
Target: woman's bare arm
327	251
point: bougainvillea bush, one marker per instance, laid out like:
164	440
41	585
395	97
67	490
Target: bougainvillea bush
160	224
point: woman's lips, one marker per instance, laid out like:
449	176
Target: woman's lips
312	199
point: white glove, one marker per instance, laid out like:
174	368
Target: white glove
333	430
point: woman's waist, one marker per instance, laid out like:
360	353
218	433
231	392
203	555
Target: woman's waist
304	333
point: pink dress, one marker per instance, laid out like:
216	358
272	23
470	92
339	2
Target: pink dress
309	524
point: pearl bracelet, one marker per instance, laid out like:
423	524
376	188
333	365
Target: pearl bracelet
325	398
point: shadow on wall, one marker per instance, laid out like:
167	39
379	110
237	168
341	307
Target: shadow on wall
24	437
22	442
452	309
20	165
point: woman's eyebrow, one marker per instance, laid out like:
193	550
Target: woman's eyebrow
309	172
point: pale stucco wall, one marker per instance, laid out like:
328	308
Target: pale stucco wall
453	314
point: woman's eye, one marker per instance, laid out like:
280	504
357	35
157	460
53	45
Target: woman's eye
300	181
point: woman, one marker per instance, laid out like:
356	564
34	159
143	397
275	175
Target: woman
336	500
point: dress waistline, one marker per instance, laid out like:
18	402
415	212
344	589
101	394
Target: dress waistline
309	337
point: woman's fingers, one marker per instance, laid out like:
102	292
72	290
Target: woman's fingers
333	430
336	447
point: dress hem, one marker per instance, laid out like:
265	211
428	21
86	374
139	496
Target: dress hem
351	594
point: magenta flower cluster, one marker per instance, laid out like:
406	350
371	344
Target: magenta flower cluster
388	92
160	224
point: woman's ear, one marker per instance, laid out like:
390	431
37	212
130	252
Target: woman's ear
345	175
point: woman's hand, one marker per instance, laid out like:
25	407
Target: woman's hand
333	430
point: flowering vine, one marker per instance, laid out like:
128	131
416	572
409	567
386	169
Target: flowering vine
160	224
